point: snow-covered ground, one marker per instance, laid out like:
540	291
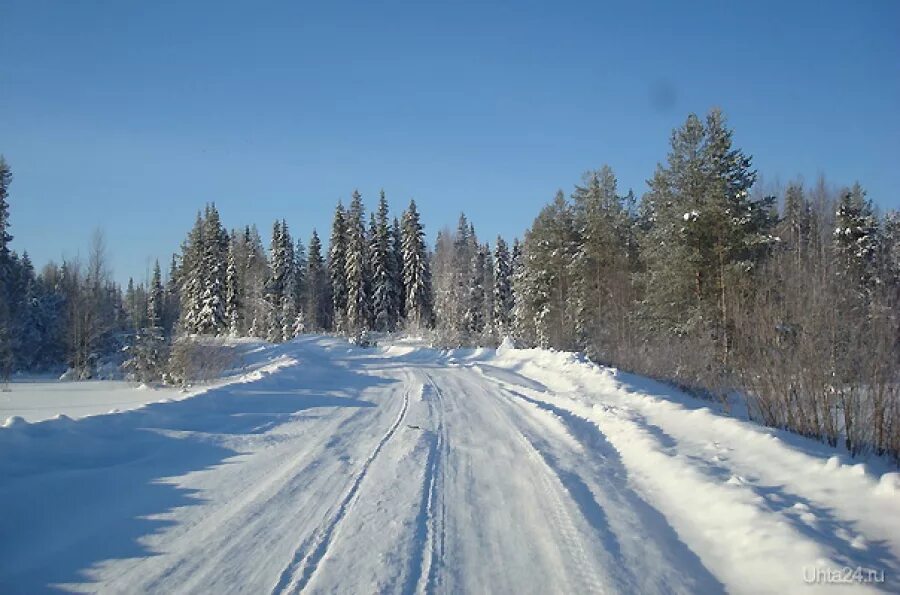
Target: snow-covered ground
404	469
39	399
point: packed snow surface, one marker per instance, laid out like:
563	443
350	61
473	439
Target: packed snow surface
328	467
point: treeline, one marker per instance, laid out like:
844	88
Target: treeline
790	300
375	276
70	313
708	285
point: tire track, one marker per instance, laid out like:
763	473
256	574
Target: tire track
424	567
556	492
300	570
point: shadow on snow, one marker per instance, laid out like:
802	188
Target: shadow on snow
77	493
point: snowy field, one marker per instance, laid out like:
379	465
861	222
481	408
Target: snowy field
326	467
40	399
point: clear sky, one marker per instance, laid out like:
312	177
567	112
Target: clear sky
129	116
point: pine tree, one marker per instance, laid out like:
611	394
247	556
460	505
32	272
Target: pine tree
704	233
359	307
337	268
416	271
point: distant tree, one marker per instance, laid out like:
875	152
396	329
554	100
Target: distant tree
213	263
337	268
474	315
397	257
503	302
317	298
6	353
545	312
386	294
233	288
416	271
156	299
358	275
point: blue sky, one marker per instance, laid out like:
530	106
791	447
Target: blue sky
129	116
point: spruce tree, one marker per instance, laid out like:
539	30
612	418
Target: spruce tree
232	292
337	268
6	340
156	299
503	292
475	300
546	314
213	261
192	278
397	258
256	276
317	298
856	248
416	271
279	286
603	263
384	270
5	237
359	306
172	298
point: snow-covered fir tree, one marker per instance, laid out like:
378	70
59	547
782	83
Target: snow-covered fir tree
299	292
856	246
416	272
6	352
603	263
232	290
172	301
255	276
280	285
503	302
385	297
475	300
317	297
148	353
358	275
191	278
546	313
397	256
337	268
156	299
213	262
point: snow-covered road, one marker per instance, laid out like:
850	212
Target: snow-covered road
409	470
